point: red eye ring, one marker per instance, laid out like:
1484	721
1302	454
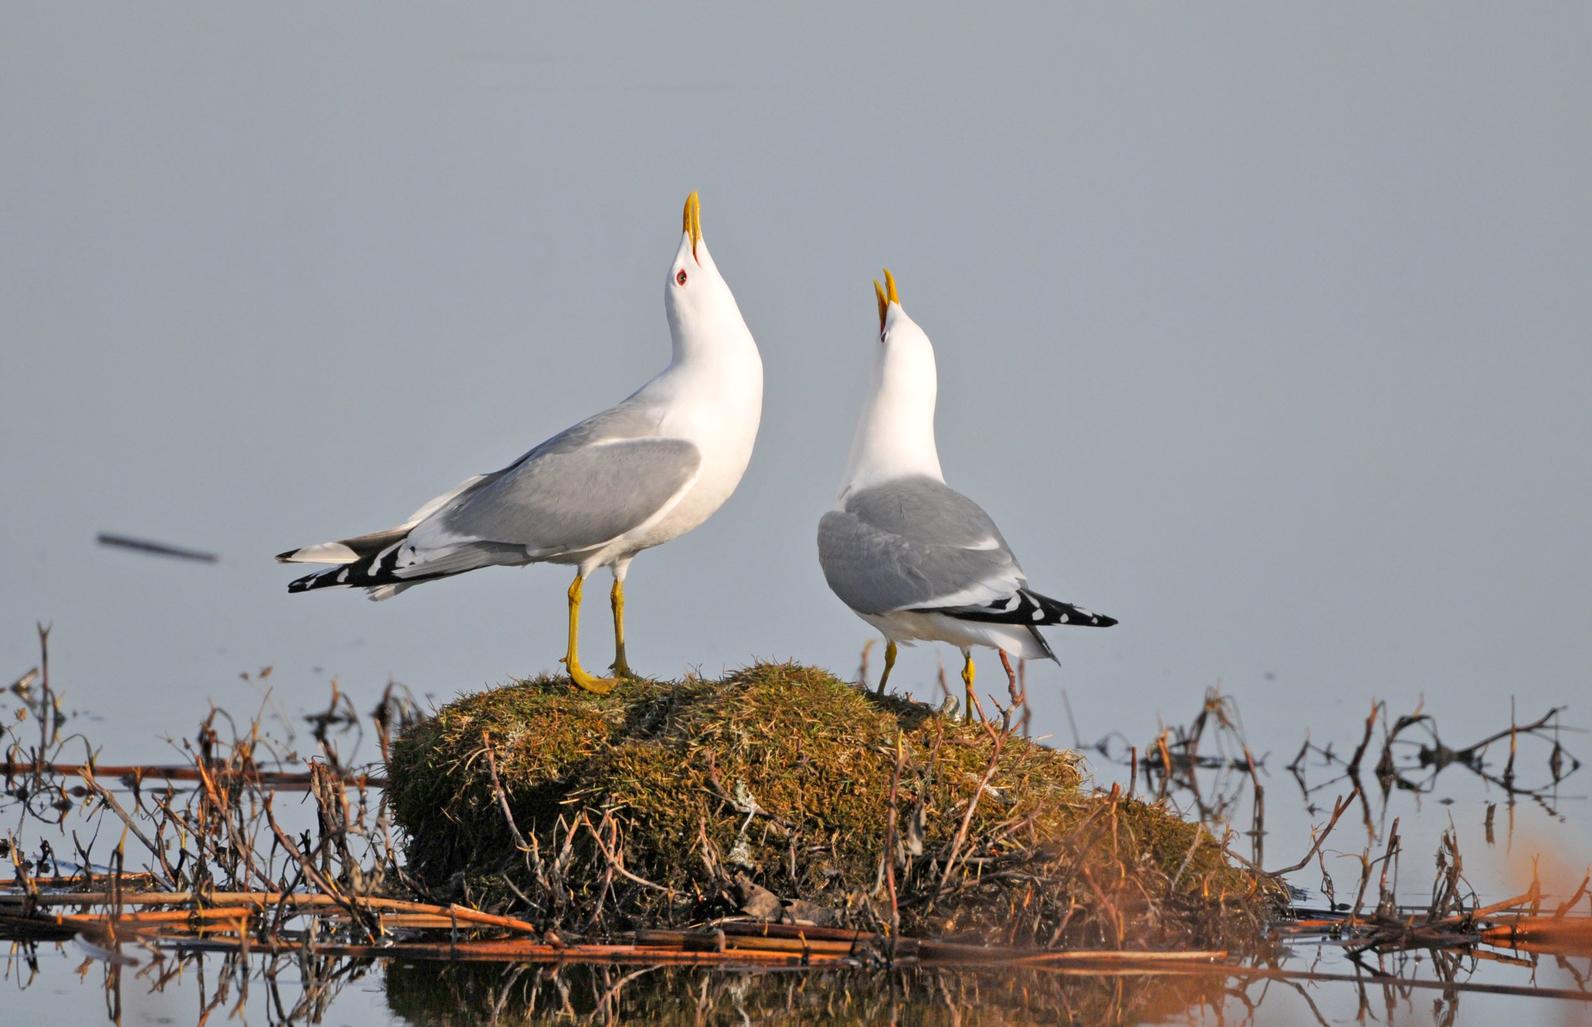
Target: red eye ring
680	278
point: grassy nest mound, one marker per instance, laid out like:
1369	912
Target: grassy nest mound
769	793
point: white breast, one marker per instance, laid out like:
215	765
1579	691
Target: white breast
718	407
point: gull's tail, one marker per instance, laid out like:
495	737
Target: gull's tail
371	561
386	563
366	563
348	550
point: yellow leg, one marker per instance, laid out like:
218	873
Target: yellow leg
598	686
616	600
889	662
967	683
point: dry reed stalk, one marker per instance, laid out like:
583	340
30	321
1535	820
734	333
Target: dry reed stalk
259	900
524	950
170	916
294	780
1558	934
892	843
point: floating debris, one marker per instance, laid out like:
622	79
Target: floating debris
140	545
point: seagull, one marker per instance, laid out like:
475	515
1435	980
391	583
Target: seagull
909	554
634	476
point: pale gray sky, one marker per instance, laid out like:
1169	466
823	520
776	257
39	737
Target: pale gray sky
1263	329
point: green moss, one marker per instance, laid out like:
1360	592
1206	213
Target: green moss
664	804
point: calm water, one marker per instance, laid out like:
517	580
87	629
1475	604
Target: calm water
1500	833
71	987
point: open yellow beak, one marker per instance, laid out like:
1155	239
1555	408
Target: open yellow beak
886	294
692	220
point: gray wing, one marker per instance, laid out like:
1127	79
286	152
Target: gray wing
578	490
914	544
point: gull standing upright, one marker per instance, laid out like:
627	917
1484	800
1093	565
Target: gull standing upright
632	477
909	554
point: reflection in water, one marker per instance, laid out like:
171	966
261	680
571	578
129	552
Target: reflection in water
198	987
473	993
1208	768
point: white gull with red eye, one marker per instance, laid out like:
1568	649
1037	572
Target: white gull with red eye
634	476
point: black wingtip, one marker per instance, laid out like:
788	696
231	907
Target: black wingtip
1027	607
1077	616
286	557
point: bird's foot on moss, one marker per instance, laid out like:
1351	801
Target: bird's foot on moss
588	683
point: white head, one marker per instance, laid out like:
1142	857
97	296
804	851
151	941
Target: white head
895	434
699	303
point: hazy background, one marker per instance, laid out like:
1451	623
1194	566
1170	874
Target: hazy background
1264	331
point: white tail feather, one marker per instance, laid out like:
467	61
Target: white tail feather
325	552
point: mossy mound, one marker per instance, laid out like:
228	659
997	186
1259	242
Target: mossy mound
768	792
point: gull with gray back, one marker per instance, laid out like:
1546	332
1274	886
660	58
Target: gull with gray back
906	552
635	476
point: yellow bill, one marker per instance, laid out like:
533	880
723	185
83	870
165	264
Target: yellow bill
692	220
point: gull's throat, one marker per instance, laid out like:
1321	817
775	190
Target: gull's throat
895	434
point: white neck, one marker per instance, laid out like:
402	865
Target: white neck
704	321
710	334
895	434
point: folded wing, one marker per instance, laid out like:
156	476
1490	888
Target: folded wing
916	544
911	544
573	494
568	501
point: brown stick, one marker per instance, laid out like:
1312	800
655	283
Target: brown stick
1550	934
165	916
891	844
110	801
259	900
1338	809
278	778
972	805
526	950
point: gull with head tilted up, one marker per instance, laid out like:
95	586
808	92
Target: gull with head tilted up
629	478
908	553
